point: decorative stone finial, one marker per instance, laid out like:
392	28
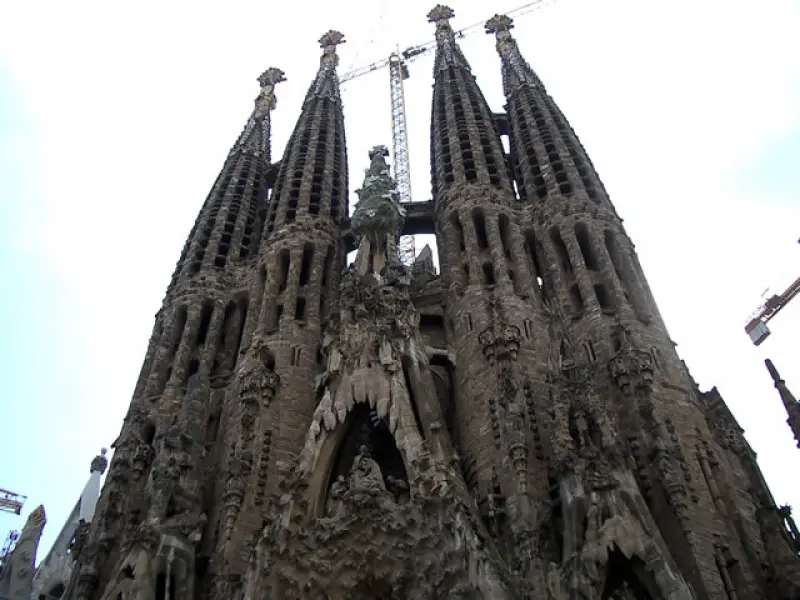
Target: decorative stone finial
499	23
271	76
378	151
516	72
99	462
331	39
441	14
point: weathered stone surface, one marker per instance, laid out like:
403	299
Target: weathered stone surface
519	426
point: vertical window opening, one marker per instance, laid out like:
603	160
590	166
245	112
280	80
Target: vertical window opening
602	297
561	250
327	266
305	267
275	320
296	353
300	309
480	229
505	236
582	234
243	305
284	265
459	231
205	322
576	298
488	274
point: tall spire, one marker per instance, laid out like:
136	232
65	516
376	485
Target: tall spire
549	158
516	71
326	83
256	134
789	401
312	180
465	143
448	53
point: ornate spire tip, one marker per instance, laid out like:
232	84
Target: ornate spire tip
378	151
499	24
271	76
331	39
440	13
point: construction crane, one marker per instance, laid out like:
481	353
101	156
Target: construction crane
398	72
756	327
11	502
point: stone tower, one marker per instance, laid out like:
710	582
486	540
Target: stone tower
18	569
519	426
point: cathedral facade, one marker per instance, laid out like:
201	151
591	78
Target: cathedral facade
518	426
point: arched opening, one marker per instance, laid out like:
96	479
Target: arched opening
624	579
56	591
367	436
149	433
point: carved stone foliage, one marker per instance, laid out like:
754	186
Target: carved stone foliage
500	342
418	541
631	368
256	379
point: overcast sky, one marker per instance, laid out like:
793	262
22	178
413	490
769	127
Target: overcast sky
115	119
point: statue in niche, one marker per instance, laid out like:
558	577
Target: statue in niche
365	476
336	497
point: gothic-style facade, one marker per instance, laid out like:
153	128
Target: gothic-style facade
517	427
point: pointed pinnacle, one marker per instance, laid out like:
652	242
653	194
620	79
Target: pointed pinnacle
499	23
773	371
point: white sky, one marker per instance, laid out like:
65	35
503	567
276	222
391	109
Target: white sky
688	110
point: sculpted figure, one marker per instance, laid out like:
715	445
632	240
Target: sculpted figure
366	474
336	497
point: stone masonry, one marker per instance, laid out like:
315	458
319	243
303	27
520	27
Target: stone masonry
518	427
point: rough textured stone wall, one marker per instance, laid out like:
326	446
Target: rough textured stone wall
527	424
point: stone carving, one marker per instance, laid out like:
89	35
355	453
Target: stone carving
327	84
500	342
256	132
378	217
367	538
99	463
631	368
516	72
16	575
448	54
